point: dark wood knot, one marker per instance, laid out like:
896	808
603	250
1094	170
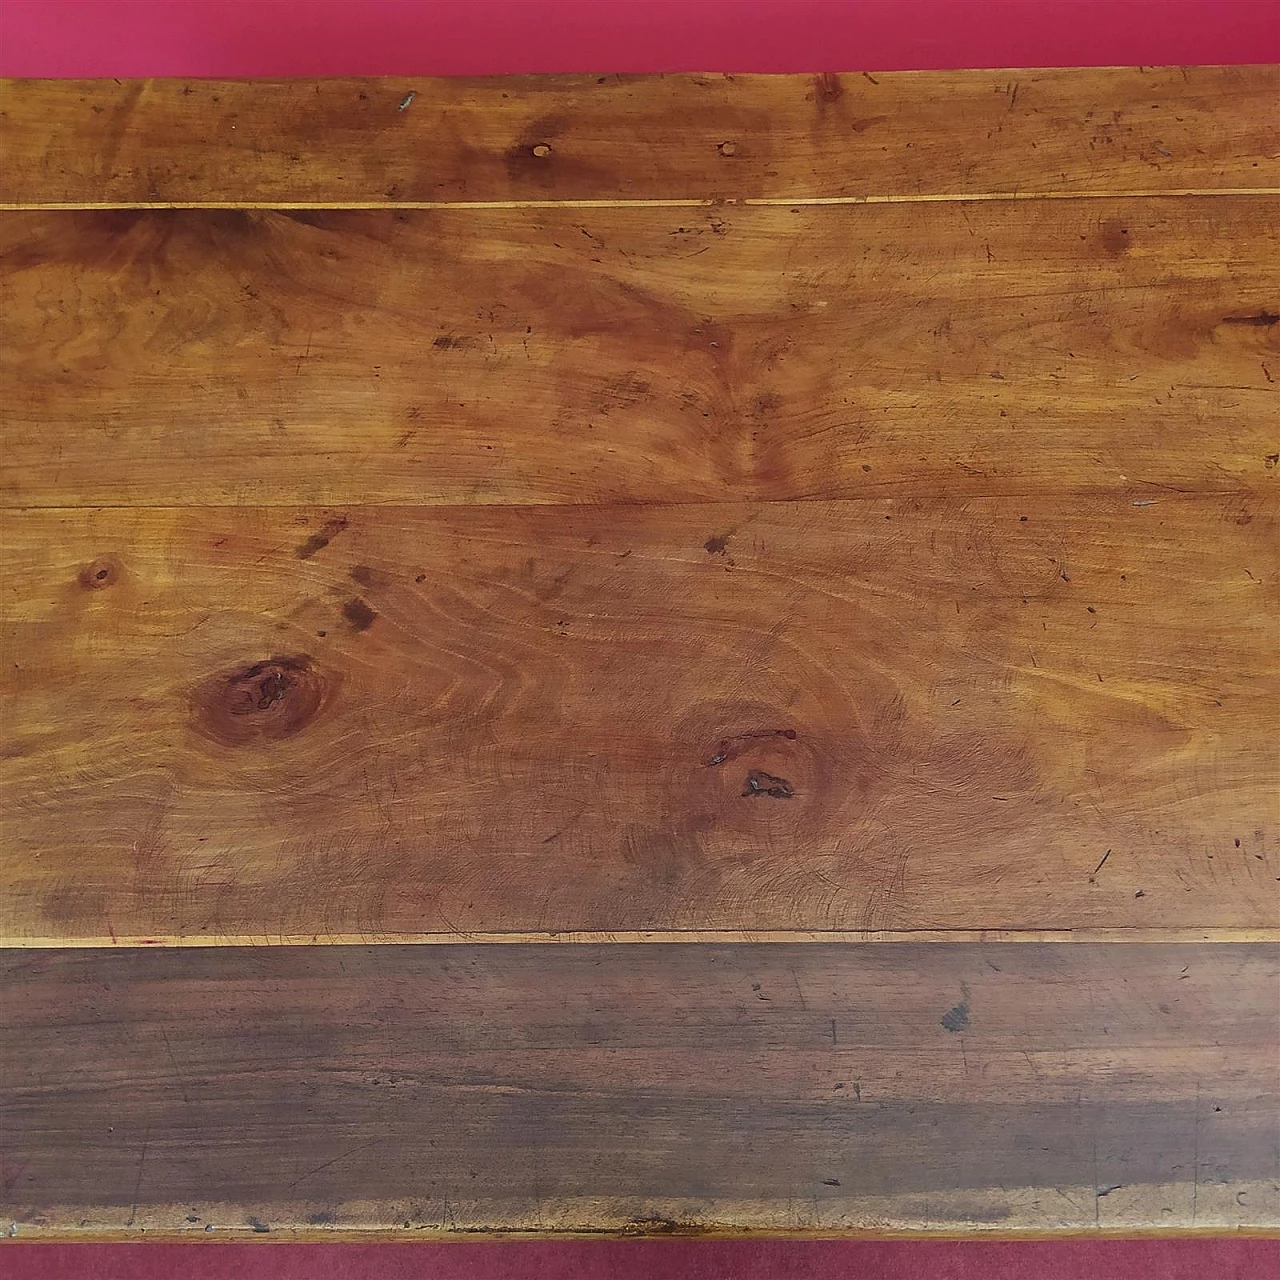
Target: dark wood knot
260	703
100	573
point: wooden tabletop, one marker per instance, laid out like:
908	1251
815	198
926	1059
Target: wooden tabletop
610	654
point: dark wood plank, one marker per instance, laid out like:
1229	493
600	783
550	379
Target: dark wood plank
651	355
641	1088
873	716
664	137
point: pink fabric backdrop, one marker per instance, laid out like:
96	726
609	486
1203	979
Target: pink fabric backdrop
476	37
658	1260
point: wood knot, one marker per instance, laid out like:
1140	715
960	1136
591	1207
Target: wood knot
261	703
760	783
100	573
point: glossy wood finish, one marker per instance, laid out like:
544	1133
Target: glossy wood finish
749	518
641	355
883	715
714	137
641	1088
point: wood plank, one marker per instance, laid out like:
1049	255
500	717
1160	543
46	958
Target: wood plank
652	355
422	1090
882	715
708	137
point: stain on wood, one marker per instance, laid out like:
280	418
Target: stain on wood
637	1089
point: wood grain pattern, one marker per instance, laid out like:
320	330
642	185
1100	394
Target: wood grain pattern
661	137
651	355
420	1090
724	513
880	715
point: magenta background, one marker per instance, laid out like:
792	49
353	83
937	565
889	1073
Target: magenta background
476	37
276	38
1197	1259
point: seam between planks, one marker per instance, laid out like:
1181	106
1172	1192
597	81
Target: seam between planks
887	495
959	197
631	937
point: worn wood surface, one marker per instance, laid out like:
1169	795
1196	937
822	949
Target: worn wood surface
891	715
640	355
738	510
659	137
659	1087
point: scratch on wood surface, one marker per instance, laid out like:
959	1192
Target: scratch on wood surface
795	977
325	1164
137	1182
177	1071
1195	1158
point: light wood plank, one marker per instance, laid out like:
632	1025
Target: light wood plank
652	355
422	1090
889	715
710	137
